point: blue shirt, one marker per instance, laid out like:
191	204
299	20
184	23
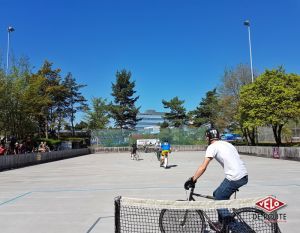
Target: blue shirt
165	146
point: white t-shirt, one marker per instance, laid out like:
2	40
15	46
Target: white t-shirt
227	155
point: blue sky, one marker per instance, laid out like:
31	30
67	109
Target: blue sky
172	47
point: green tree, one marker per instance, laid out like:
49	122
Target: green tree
207	111
52	90
36	100
75	101
123	110
177	115
98	117
3	97
67	126
272	100
164	125
14	119
81	125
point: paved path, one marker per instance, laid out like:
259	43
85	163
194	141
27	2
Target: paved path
76	195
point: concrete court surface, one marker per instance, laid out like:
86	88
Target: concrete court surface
76	195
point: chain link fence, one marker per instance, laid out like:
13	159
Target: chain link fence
122	137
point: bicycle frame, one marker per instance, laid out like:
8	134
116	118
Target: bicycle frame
191	198
214	226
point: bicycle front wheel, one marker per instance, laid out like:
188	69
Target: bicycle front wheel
172	220
250	220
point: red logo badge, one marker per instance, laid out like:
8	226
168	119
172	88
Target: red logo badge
270	204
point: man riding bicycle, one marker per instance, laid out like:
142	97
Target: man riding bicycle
165	150
234	168
133	150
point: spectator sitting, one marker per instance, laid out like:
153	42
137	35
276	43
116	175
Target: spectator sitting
42	147
16	149
19	148
2	149
22	148
29	146
47	149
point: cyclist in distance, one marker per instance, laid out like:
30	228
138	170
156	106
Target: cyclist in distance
133	150
158	150
234	168
165	151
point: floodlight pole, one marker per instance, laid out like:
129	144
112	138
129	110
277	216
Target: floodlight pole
247	24
9	30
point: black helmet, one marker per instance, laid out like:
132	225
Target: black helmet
212	134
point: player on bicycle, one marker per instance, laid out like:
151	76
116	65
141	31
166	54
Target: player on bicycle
234	168
158	150
165	151
133	150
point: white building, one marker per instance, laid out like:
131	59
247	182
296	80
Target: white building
150	121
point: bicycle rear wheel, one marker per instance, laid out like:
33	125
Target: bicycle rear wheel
252	220
172	220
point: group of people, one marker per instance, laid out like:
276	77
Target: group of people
17	148
14	147
162	151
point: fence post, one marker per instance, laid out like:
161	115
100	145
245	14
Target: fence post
117	214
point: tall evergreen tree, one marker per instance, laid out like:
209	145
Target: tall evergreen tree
75	101
81	126
207	111
51	89
177	115
123	110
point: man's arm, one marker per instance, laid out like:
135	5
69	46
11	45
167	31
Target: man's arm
201	169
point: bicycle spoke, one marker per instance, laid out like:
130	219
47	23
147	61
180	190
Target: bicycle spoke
181	221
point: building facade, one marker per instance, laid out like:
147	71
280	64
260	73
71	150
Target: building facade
150	120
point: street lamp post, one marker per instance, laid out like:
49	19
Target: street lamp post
247	24
9	30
